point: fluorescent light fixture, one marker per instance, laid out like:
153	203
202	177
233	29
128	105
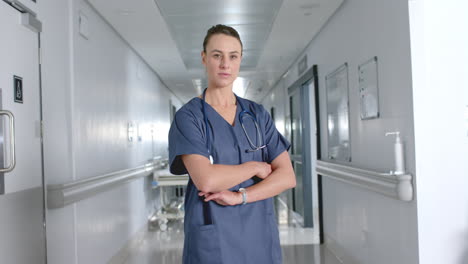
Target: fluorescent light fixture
125	12
197	83
239	86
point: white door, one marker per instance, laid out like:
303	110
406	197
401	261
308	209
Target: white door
22	225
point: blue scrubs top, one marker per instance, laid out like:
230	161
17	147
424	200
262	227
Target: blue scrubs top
226	234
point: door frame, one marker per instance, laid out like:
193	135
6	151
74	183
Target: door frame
309	98
30	21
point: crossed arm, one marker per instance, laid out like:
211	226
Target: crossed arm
214	180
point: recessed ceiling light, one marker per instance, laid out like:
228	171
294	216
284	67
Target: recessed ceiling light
309	6
196	82
240	86
125	12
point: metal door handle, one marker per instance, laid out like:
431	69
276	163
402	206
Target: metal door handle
12	141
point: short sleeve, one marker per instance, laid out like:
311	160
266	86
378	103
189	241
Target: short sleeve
276	143
186	136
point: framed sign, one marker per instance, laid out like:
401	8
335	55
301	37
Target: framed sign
302	66
18	89
339	147
369	89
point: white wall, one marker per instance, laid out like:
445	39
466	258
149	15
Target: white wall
92	88
276	98
359	225
439	43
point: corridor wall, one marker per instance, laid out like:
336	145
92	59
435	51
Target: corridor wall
362	226
440	90
92	88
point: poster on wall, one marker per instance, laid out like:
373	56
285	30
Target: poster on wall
339	147
369	89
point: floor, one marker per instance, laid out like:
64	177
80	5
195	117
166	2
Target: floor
166	248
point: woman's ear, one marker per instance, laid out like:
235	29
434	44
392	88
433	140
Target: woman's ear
203	55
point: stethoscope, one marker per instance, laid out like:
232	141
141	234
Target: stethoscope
244	113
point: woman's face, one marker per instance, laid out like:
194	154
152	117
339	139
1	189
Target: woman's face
222	60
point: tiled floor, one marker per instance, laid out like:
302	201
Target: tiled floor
166	248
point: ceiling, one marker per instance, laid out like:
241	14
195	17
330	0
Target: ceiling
168	35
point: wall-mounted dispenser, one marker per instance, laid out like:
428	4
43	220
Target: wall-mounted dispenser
399	153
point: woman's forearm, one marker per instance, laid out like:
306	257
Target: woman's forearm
211	178
279	180
222	177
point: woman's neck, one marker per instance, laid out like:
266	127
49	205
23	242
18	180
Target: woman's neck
223	97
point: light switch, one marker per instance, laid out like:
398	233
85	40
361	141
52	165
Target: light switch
83	25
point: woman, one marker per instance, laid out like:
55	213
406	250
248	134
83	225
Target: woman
237	161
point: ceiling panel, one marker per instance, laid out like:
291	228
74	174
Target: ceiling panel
188	22
206	7
168	35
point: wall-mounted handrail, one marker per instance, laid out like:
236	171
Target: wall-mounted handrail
60	195
396	186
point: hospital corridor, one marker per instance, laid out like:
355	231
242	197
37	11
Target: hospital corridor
233	131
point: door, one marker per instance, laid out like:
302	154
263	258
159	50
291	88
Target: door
22	212
297	155
304	151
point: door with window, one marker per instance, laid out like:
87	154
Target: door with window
304	150
297	155
22	212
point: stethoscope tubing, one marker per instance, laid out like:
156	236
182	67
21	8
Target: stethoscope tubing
257	128
241	115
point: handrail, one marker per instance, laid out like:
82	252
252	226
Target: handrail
60	195
396	186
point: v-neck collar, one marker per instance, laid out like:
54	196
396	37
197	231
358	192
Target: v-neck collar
220	116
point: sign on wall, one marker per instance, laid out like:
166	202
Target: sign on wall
302	66
339	147
369	89
18	89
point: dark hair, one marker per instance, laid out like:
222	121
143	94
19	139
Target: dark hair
221	29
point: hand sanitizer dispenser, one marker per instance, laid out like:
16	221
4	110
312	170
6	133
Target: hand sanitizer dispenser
399	153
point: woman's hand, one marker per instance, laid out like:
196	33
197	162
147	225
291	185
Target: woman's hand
225	198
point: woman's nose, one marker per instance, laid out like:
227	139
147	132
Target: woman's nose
224	63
